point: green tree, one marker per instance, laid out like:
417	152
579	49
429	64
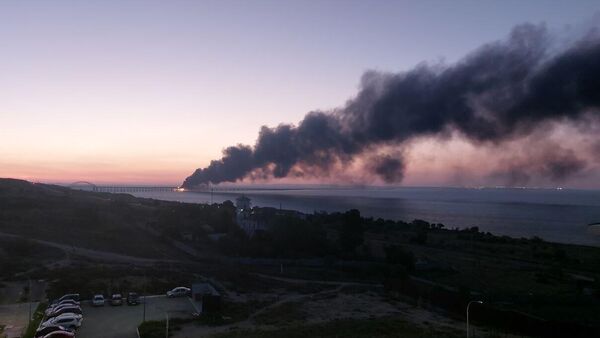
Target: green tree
296	237
352	232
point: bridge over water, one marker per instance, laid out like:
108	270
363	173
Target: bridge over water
89	186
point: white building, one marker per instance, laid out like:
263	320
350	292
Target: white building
243	203
246	217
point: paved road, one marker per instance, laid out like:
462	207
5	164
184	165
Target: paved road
13	292
122	321
15	317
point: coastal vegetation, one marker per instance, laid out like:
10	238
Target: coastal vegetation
525	283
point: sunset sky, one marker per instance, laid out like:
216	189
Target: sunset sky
148	91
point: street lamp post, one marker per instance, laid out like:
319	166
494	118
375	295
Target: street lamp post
29	298
468	305
167	331
145	283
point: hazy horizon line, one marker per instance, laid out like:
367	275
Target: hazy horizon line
306	186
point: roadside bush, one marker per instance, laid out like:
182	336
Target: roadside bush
35	322
157	328
396	254
152	329
211	319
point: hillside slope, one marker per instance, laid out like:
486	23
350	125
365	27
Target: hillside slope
101	221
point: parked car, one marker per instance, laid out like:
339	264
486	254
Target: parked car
60	334
180	291
69	296
67	320
116	299
43	331
62	310
133	298
60	307
64	302
98	300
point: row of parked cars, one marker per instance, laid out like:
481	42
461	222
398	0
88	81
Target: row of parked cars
62	318
116	299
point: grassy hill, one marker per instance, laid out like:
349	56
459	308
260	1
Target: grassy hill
100	221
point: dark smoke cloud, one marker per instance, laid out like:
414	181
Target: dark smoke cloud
502	91
596	150
549	161
390	169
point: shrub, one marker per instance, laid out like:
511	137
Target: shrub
397	255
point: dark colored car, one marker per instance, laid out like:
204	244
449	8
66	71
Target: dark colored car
46	330
116	299
133	298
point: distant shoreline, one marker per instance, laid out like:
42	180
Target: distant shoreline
555	215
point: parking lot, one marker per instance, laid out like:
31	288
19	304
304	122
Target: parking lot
121	321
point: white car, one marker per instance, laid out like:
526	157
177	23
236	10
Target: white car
72	296
67	320
180	291
60	334
98	300
43	331
59	308
63	310
64	302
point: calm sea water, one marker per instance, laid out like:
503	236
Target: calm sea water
554	215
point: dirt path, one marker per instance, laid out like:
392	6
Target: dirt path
326	282
328	305
292	298
331	304
94	254
195	331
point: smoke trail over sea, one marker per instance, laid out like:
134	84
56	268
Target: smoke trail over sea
502	92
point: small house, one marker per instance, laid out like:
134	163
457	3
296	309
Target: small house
207	296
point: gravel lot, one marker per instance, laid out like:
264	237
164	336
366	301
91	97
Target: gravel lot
121	321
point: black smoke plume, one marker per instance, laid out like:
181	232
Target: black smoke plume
543	160
502	91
